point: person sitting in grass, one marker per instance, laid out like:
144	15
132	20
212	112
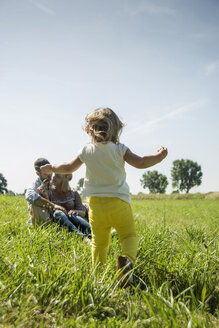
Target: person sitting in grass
40	209
105	184
74	213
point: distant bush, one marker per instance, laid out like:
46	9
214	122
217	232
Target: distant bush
186	174
154	181
171	196
212	195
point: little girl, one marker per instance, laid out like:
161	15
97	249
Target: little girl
105	184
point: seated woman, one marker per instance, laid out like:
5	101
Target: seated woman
74	211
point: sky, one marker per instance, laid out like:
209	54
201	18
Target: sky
154	62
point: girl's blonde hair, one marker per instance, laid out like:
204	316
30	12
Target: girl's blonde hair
103	125
65	183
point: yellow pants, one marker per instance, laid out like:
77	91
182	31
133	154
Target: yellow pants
105	213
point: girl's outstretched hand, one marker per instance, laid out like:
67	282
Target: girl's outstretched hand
162	152
46	169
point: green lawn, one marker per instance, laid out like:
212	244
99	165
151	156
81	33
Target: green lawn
46	279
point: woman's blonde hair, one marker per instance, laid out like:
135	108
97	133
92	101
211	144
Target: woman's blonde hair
65	183
103	125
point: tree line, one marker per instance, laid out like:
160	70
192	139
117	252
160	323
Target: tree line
185	174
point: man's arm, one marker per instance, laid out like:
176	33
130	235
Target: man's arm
145	161
64	168
43	202
35	199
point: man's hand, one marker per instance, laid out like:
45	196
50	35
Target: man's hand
163	152
46	169
43	192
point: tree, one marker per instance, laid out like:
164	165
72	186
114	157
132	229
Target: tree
3	184
80	184
154	181
185	174
11	193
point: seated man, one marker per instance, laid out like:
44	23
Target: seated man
40	208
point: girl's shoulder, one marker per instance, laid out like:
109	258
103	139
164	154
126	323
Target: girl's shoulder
89	146
122	148
84	151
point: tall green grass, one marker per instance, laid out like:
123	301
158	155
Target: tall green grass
46	278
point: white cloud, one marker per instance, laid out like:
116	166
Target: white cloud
212	67
174	114
43	8
149	8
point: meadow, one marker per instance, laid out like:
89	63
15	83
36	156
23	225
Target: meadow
46	278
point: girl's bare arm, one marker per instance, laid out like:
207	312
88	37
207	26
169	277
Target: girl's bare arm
145	161
64	168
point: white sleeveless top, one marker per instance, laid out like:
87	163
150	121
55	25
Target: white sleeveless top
105	171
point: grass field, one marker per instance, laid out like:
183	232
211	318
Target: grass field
46	279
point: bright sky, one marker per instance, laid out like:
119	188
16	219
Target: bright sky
154	62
